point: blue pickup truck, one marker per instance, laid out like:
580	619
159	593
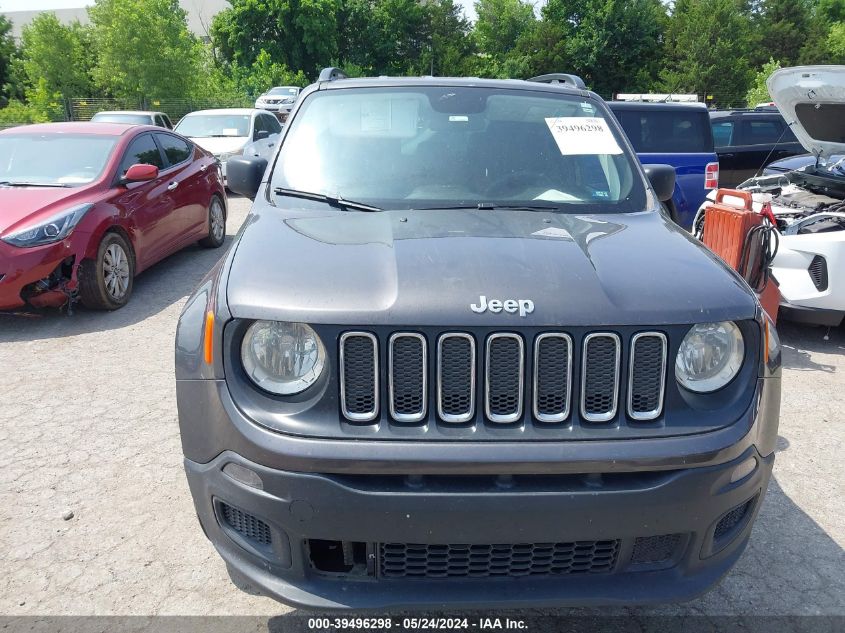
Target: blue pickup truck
676	134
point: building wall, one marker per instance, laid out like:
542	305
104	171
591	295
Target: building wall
200	13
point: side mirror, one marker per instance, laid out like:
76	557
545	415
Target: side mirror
244	174
140	173
260	135
662	179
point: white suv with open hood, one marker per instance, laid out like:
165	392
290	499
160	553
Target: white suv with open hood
809	203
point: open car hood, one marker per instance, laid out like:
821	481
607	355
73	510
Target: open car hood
812	99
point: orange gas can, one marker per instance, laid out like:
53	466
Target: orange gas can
727	224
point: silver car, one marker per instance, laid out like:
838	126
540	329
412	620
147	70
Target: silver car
279	99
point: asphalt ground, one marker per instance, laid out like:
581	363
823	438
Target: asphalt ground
88	426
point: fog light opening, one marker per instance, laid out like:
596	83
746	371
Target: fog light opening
744	469
243	475
338	557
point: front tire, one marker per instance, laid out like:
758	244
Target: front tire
106	283
216	224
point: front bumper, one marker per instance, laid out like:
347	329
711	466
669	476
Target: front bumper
20	267
682	508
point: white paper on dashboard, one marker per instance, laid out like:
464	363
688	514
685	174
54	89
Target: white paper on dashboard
577	135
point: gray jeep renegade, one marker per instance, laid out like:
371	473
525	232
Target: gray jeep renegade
457	357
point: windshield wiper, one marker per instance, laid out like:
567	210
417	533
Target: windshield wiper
334	201
489	206
18	183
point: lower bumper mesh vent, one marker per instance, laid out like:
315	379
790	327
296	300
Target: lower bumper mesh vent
818	272
726	525
406	560
248	526
655	549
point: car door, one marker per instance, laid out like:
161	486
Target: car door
145	206
187	185
724	139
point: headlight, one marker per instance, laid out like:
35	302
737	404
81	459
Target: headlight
55	229
710	356
282	358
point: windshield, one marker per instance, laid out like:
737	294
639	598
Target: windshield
53	159
284	91
137	119
435	147
207	125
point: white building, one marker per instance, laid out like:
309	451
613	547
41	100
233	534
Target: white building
200	13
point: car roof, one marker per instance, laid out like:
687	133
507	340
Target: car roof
226	111
650	105
141	112
396	82
720	114
80	127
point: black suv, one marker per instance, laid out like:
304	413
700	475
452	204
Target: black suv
458	357
748	140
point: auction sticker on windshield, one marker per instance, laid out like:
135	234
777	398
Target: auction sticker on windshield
583	135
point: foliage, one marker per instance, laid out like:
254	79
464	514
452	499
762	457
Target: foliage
57	54
499	27
791	31
7	53
708	45
144	48
836	43
759	93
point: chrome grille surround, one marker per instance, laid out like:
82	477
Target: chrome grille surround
654	413
421	414
587	367
564	413
469	414
503	418
359	416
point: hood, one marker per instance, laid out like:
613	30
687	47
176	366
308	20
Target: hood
427	267
221	144
812	100
22	206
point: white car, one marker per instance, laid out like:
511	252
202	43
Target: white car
809	203
226	132
279	99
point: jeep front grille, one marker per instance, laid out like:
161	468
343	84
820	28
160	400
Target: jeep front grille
504	379
647	375
456	377
359	373
511	371
408	377
600	377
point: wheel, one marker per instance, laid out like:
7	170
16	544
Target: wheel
216	224
106	283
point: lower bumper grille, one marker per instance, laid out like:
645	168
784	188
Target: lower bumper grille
406	560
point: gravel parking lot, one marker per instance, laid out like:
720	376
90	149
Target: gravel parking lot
89	427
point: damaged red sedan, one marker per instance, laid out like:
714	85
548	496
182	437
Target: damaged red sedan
84	207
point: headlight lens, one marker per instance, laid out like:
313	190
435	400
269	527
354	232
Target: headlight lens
55	229
710	356
282	358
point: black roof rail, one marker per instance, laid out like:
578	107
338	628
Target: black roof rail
561	78
331	73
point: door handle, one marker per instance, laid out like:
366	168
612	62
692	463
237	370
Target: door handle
172	186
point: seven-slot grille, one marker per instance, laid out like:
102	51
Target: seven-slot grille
549	383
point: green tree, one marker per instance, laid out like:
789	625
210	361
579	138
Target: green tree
301	34
832	11
7	53
614	45
708	44
759	92
58	54
500	26
144	48
791	31
836	43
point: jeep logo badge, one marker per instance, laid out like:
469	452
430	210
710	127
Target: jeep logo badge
523	306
